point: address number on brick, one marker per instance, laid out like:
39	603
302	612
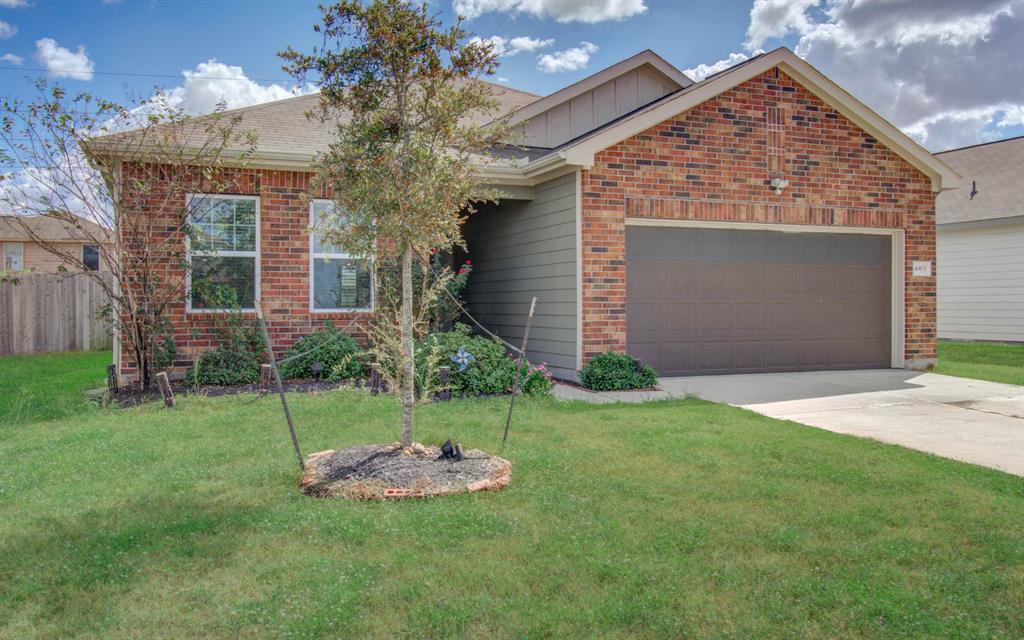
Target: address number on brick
922	268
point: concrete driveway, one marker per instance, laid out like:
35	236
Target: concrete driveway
971	420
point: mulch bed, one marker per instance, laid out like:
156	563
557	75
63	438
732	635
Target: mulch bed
132	396
382	471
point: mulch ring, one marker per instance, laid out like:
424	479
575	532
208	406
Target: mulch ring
382	471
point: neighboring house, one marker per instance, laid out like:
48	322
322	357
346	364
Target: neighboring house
21	253
759	220
981	244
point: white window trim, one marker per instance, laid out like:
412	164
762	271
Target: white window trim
21	255
342	255
220	254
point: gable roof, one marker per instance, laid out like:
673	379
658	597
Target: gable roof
644	58
996	171
63	227
581	150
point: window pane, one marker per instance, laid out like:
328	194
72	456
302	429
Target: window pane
341	283
91	257
320	210
219	281
223	224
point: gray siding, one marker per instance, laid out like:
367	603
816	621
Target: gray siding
522	249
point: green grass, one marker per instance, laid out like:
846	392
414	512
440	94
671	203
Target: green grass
998	362
40	387
665	520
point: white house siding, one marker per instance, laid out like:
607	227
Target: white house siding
981	283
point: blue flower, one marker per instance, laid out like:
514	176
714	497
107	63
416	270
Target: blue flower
462	358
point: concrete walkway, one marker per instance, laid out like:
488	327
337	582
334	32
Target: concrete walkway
971	420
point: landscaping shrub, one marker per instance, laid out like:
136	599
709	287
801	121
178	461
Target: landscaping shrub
490	370
616	372
225	365
537	381
339	355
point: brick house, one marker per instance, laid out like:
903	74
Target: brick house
759	220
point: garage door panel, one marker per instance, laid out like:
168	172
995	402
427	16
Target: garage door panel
679	320
644	281
715	280
813	354
680	357
715	356
781	279
748	279
679	279
729	300
748	317
643	317
748	356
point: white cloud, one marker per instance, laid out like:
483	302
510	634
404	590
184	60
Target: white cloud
13	4
13	59
511	46
7	30
63	63
212	83
944	71
589	11
567	60
702	70
777	18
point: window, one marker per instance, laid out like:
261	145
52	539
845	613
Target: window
338	282
223	248
14	256
91	257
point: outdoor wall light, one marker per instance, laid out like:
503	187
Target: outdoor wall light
778	184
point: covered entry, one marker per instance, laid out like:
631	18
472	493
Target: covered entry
707	300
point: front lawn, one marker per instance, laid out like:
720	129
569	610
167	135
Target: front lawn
664	520
45	386
998	362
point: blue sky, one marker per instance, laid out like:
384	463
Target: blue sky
947	72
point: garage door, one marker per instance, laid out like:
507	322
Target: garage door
707	301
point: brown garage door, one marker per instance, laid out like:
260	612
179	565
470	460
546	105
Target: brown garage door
704	301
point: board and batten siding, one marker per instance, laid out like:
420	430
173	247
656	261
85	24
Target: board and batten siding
981	283
522	249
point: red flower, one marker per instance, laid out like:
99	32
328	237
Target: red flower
468	262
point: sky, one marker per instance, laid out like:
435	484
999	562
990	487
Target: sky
948	72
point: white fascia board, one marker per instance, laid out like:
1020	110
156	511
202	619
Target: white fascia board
942	175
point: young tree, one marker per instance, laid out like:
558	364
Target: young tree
412	125
128	171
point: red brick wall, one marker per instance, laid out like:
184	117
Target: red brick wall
284	269
711	163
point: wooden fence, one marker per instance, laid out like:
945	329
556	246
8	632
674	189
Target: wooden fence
52	312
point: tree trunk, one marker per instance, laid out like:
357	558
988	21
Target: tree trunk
408	377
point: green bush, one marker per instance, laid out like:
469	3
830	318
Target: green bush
490	372
616	372
339	355
225	365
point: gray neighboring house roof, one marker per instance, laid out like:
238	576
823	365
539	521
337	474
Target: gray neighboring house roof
996	171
